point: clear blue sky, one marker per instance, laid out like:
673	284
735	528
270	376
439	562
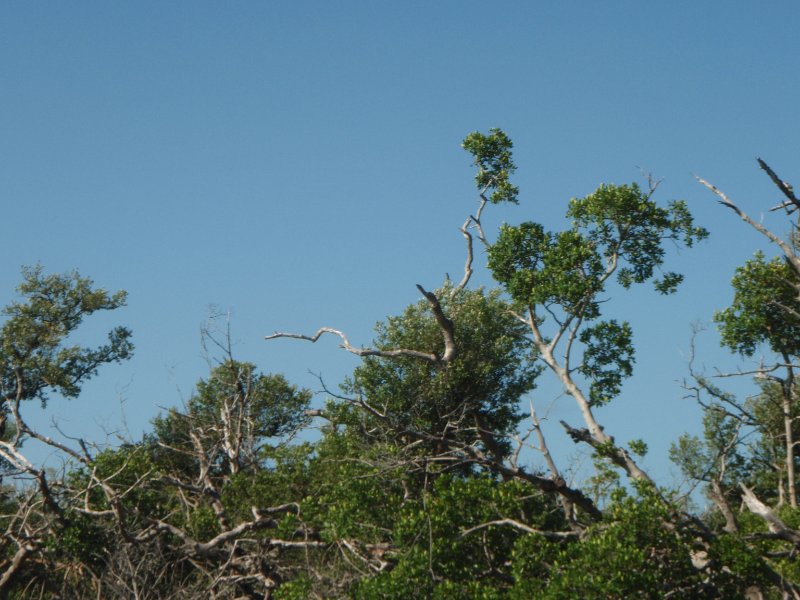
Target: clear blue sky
298	164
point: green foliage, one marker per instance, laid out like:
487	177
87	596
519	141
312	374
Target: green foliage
251	407
767	409
455	546
298	589
764	309
202	524
691	455
668	283
633	553
123	469
394	499
538	267
607	359
492	156
486	381
623	221
744	566
357	490
33	336
786	561
617	228
638	447
81	538
702	459
442	555
722	454
275	406
287	478
606	478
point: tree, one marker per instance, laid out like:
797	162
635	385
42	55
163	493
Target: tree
35	361
556	285
763	313
231	418
418	484
472	398
558	280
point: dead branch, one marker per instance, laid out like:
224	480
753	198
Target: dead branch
785	248
15	563
545	484
429	356
473	221
373	560
774	523
785	187
445	324
551	535
468	266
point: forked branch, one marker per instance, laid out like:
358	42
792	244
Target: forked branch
473	221
785	187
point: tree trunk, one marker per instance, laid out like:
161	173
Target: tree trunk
788	395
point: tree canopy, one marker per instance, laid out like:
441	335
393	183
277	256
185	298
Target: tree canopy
414	478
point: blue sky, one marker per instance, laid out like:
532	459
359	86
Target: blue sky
299	164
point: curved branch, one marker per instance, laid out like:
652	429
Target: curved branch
472	221
445	324
429	356
468	265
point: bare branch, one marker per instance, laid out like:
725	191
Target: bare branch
568	508
468	265
16	562
429	356
775	524
551	535
445	324
718	497
472	221
785	187
724	200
